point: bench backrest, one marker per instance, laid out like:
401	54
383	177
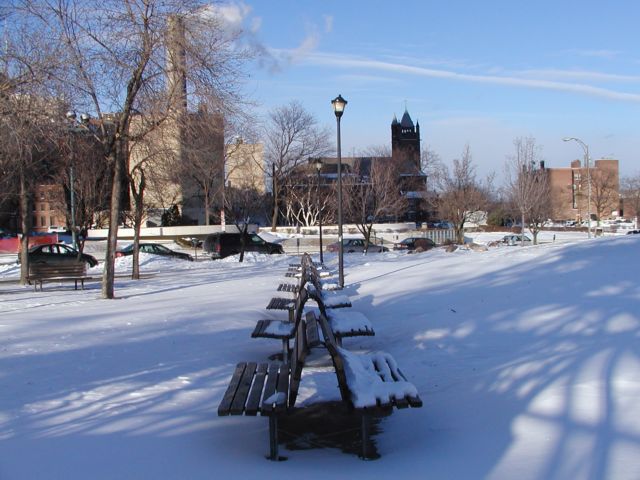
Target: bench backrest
336	358
298	356
296	310
313	278
69	269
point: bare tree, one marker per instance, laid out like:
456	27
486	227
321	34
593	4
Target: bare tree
26	127
113	57
527	185
305	198
604	192
145	153
372	193
89	183
460	193
203	159
24	150
292	135
630	190
242	205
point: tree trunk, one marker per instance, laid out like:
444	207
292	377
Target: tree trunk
207	212
137	227
522	232
243	240
274	217
108	277
25	225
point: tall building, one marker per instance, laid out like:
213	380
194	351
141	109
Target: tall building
185	154
405	143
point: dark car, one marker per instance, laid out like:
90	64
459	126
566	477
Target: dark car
56	253
412	243
155	249
221	245
352	245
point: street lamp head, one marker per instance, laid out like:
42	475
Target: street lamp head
85	117
567	139
317	163
71	115
338	104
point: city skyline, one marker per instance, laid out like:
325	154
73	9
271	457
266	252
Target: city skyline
482	74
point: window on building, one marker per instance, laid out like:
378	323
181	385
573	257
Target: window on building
43	222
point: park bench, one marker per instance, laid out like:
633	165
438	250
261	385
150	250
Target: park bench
301	272
344	322
283	330
44	272
369	385
316	289
267	388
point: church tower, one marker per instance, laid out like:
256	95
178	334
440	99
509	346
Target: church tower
405	143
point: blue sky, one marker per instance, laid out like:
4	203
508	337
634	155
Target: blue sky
472	72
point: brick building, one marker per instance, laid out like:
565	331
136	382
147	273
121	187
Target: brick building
570	190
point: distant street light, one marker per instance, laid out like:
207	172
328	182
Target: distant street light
339	104
585	147
318	166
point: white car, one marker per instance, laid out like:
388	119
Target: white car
516	239
56	229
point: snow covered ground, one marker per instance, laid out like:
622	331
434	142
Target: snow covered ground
527	360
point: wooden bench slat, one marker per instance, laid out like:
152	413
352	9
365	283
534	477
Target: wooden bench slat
279	303
227	399
288	287
253	403
282	388
313	336
240	399
259	329
270	388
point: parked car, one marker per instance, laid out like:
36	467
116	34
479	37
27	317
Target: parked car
56	253
221	245
633	232
352	245
515	239
412	243
56	229
155	249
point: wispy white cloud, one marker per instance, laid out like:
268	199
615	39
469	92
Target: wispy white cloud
256	23
328	23
308	45
601	53
514	81
367	78
232	15
583	75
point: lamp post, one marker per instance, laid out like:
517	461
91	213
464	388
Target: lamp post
74	128
318	165
585	148
338	104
